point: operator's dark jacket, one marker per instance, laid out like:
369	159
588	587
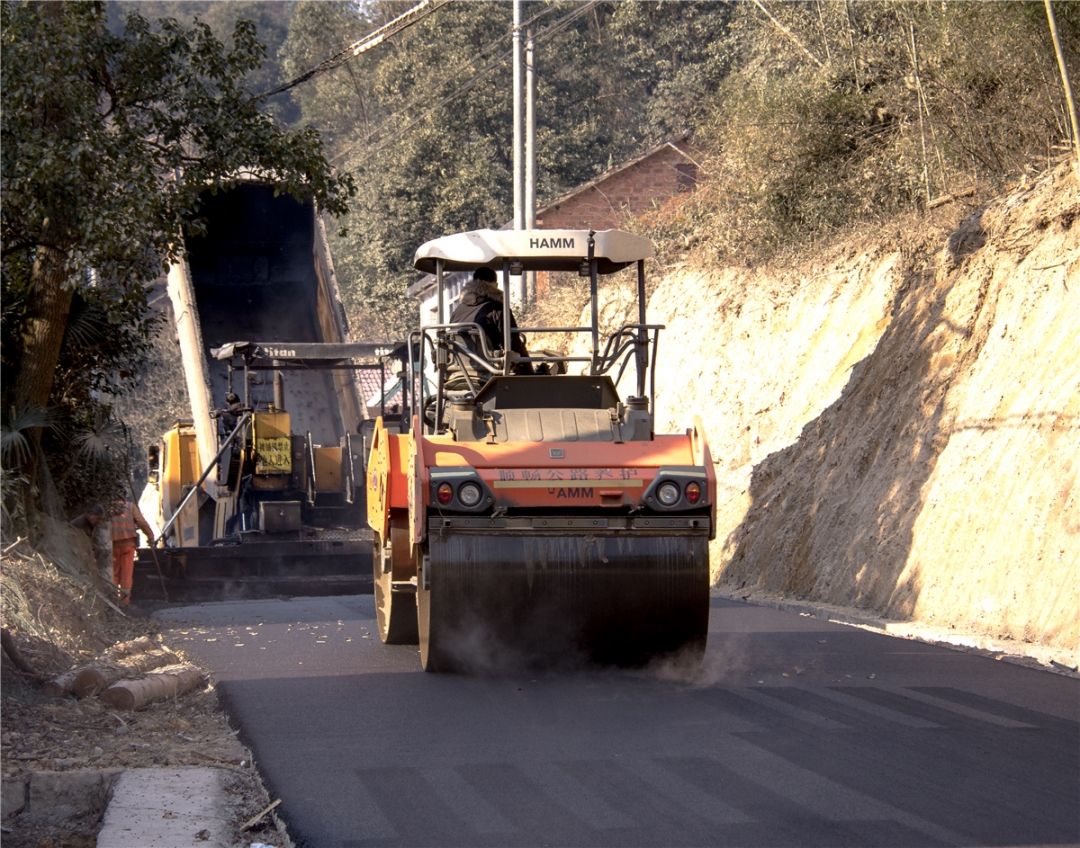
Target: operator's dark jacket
487	312
230	416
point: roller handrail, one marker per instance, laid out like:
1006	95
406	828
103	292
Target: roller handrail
635	341
553	329
493	362
610	358
350	471
545	358
626	331
244	420
471	328
309	455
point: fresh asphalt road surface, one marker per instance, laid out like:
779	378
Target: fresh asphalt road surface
796	732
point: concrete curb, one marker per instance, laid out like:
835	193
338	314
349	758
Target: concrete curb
1022	653
180	807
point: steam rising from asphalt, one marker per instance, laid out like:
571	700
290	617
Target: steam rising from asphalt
724	662
476	648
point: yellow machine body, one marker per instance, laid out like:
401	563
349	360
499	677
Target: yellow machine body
273	443
328	477
180	469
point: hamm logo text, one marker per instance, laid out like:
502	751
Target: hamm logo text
551	243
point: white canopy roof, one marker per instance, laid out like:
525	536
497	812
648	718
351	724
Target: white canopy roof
538	250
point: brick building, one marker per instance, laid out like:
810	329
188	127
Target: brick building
625	190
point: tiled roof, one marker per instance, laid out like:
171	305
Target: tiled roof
370	382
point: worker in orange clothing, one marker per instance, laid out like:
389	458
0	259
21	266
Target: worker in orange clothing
125	539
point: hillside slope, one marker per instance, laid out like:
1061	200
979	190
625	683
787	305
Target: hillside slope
897	428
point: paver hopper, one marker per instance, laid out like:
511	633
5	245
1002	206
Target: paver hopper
539	517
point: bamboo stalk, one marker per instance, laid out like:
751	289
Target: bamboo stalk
110	603
789	34
922	127
1066	84
13	545
250	823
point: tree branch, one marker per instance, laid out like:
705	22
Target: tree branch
789	34
12	651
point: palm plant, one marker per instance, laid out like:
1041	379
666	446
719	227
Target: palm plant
20	460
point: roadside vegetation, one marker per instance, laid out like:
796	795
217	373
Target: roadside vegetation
814	118
108	139
837	115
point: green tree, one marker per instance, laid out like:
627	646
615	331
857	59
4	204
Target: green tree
424	122
341	105
669	58
107	141
271	18
422	176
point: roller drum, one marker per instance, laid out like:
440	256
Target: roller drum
616	599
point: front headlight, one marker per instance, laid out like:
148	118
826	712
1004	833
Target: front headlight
668	494
469	494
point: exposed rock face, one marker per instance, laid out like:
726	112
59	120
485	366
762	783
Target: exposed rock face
898	429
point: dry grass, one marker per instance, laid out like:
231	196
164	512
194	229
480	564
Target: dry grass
904	105
53	610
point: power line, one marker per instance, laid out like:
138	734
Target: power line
546	33
431	91
416	14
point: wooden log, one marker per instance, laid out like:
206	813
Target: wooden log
63	685
60	687
94	678
135	646
12	650
169	682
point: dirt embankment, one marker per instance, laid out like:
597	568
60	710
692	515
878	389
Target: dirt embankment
896	426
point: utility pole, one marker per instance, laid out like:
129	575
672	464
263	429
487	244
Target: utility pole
530	154
519	140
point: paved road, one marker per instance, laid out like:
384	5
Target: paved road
797	732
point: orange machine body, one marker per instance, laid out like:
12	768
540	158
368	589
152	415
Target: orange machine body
526	476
